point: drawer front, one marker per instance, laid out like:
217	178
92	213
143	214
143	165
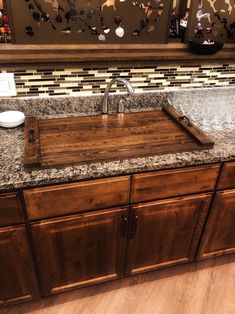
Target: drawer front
78	197
10	209
168	183
227	178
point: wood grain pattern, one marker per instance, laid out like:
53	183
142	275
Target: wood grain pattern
31	141
31	54
60	200
106	137
18	282
194	131
11	211
227	178
80	251
167	233
168	183
219	235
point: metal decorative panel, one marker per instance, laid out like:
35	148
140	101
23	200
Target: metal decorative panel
90	21
213	19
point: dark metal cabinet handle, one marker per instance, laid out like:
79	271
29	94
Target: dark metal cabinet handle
134	222
184	118
31	136
124	224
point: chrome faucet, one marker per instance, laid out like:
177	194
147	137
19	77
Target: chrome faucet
130	91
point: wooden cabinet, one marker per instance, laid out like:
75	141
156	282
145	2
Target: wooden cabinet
219	235
227	178
107	244
165	233
81	250
18	282
10	209
143	229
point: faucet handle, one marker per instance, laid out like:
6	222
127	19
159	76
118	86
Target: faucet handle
121	106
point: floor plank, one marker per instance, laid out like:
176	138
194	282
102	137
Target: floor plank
207	287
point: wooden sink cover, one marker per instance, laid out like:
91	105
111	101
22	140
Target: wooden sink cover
64	141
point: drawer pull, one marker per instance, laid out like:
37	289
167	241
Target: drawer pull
31	136
184	118
133	227
124	225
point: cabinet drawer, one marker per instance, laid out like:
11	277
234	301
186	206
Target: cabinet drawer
168	183
10	209
227	178
77	197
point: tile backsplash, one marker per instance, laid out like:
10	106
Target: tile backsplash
79	81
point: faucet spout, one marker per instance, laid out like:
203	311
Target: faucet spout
128	86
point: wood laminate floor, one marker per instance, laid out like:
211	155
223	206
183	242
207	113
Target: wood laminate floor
207	287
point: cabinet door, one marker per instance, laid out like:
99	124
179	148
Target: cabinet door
219	235
18	282
165	233
81	250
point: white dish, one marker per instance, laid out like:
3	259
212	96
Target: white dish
11	119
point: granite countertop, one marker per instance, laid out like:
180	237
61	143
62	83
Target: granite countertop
199	104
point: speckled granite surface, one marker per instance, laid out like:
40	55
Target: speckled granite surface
82	106
13	175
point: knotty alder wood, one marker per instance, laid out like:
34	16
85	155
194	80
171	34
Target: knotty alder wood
10	209
168	183
227	178
31	141
167	233
106	137
18	282
202	138
59	200
80	251
219	235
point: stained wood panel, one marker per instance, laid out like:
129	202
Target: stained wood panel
80	251
165	233
11	211
18	282
53	142
59	200
227	178
168	183
219	235
90	54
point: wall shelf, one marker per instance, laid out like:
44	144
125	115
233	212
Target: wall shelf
165	53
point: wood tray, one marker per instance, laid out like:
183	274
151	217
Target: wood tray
66	141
